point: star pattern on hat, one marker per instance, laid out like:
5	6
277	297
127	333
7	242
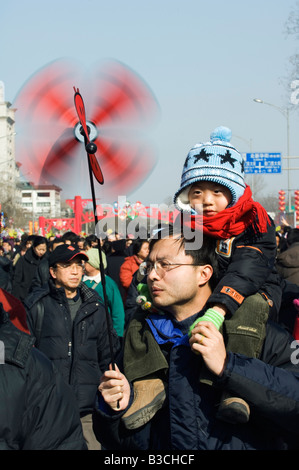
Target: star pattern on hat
202	155
224	158
227	158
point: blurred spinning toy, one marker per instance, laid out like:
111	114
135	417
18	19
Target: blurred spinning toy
49	133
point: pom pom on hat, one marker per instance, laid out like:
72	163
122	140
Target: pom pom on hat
221	133
217	161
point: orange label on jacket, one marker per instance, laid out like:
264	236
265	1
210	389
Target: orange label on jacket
232	293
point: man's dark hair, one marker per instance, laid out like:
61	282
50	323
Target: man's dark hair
91	238
206	254
70	236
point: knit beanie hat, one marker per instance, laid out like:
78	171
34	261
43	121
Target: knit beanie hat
94	258
216	161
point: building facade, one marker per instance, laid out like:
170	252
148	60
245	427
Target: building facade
43	200
16	193
9	170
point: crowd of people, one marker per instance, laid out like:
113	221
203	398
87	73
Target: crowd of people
159	343
24	265
31	278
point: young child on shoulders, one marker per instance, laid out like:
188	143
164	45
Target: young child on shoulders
214	193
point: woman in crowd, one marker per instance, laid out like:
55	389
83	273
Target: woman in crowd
26	267
132	263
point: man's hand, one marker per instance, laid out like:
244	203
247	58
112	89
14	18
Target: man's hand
115	389
206	340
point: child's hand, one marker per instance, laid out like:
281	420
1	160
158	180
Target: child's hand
211	315
115	389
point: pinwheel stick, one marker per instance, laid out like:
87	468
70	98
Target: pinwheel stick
94	170
102	269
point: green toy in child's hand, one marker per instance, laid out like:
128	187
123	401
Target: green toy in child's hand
210	315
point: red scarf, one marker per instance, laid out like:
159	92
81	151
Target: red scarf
234	220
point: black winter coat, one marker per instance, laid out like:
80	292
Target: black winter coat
24	273
287	264
79	349
188	420
114	262
42	274
246	266
38	411
5	273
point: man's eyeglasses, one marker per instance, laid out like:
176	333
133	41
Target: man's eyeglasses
68	266
161	267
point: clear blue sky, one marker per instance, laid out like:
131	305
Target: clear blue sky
204	62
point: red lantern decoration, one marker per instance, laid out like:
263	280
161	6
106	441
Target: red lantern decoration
297	204
281	200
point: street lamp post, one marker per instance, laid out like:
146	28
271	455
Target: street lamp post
286	113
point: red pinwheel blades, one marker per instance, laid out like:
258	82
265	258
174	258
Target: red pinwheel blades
96	168
80	108
49	134
89	146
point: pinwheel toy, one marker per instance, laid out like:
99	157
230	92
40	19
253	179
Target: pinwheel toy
51	131
49	135
94	170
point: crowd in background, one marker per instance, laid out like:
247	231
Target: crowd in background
73	317
23	262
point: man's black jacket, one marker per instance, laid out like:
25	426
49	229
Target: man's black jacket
80	349
38	411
